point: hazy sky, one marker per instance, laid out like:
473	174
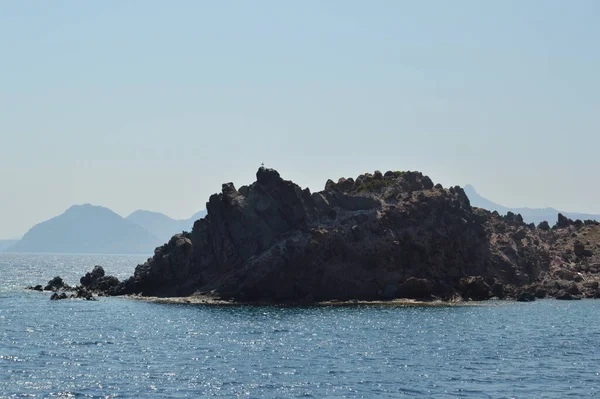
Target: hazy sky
154	104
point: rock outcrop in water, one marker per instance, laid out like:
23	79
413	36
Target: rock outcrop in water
376	237
56	284
97	281
59	289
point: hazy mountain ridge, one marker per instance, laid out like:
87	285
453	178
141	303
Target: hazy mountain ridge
4	244
87	229
530	215
161	225
96	229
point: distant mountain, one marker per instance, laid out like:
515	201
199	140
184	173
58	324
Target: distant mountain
4	244
161	225
88	229
530	215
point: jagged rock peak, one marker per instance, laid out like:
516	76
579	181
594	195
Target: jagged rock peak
228	189
267	176
377	182
563	221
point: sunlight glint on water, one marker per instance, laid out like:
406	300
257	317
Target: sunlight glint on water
129	349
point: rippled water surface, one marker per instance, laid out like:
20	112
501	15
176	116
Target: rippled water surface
131	349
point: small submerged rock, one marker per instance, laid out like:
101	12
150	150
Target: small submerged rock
526	297
564	295
57	284
56	296
83	293
80	293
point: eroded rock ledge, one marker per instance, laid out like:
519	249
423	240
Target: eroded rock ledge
376	237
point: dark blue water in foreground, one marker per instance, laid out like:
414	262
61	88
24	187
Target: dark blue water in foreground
132	349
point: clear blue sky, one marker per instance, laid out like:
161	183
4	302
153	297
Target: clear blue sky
153	104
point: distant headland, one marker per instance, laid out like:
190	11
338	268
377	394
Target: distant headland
95	229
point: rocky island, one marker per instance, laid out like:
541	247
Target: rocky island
380	236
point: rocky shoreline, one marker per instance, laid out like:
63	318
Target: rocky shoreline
377	238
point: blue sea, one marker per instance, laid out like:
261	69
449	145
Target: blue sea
120	348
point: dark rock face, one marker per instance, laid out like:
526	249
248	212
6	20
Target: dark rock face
526	297
498	290
79	293
475	288
566	296
543	225
379	236
83	293
416	288
56	296
56	284
563	221
520	234
93	276
97	281
580	250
